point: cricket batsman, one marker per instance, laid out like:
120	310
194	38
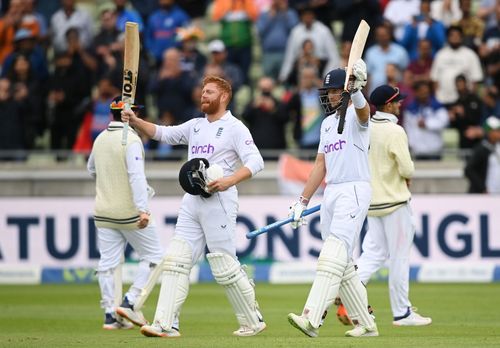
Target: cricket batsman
342	160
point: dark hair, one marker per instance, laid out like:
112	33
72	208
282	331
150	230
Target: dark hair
454	28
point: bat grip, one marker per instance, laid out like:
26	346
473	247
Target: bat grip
125	127
340	127
342	111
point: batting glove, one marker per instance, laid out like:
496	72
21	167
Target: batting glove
359	72
296	211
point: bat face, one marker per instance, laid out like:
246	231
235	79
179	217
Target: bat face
357	47
130	62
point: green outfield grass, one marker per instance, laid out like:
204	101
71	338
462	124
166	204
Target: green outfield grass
465	315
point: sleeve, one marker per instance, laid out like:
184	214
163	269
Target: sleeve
435	68
290	55
220	8
136	176
439	121
247	150
398	147
91	165
175	135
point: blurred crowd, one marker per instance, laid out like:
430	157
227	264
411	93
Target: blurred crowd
61	64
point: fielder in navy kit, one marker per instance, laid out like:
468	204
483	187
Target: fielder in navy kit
207	217
342	161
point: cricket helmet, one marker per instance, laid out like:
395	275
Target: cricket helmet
193	177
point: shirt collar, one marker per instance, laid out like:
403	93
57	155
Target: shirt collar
117	125
385	116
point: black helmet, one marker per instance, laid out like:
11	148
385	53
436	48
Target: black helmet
192	177
334	79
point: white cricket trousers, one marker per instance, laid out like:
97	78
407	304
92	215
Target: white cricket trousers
112	243
209	222
389	238
343	211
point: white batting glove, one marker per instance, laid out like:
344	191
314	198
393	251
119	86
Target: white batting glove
359	72
296	211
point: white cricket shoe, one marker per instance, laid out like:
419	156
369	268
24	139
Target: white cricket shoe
303	325
363	331
156	330
136	317
245	331
414	319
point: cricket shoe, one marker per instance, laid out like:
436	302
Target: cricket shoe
156	330
245	331
303	325
413	319
112	323
126	310
363	331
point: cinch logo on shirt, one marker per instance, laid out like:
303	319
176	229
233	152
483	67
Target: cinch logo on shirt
202	149
335	146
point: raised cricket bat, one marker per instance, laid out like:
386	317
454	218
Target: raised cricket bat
357	47
130	69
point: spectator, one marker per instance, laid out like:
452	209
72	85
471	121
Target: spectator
305	58
304	108
70	17
472	26
173	89
325	47
25	43
274	27
9	23
11	122
400	13
446	11
99	107
382	53
266	116
232	73
27	91
466	115
126	14
66	95
483	167
423	26
104	42
236	19
424	121
420	66
161	28
192	60
451	61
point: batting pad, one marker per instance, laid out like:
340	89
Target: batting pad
354	297
332	262
176	266
240	292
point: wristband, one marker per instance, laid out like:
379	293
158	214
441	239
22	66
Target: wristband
358	100
303	200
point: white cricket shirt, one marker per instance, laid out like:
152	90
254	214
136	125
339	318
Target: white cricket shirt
346	154
226	142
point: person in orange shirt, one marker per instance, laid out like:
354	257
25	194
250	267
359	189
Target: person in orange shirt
236	18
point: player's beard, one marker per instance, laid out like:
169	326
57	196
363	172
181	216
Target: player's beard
212	107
